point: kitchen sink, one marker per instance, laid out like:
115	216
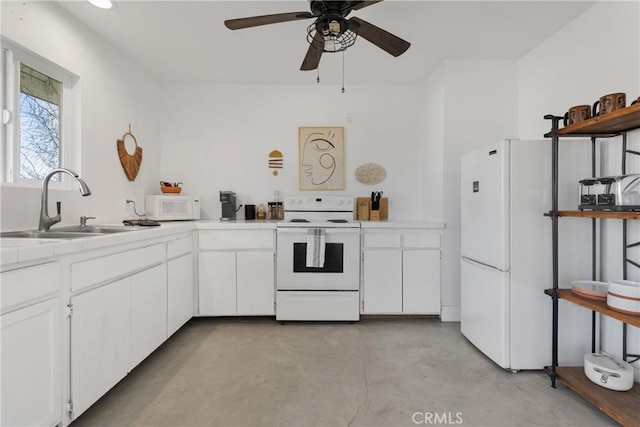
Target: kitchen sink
99	229
73	232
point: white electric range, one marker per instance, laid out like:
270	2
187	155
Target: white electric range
318	260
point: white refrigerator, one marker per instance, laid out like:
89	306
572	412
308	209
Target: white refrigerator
506	253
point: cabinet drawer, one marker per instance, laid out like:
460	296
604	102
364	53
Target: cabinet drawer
87	273
236	239
382	241
179	247
421	240
29	283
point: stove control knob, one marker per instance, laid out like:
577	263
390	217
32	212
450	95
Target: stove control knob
348	201
298	202
339	202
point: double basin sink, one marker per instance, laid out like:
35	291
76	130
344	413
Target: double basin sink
73	232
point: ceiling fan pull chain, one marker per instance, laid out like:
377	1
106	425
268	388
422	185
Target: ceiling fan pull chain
343	71
318	77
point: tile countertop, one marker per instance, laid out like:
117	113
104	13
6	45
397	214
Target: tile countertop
14	250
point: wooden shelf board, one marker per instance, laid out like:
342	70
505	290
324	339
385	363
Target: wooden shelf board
600	214
599	306
622	406
611	124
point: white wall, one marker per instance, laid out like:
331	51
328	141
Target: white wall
217	138
585	60
469	103
114	94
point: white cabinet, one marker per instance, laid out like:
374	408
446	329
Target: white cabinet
217	283
31	344
382	278
148	312
421	281
119	323
400	272
236	273
100	342
114	328
180	286
255	283
31	375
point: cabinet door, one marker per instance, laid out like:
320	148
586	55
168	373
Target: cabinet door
31	383
421	281
382	281
217	284
179	292
100	342
148	312
255	283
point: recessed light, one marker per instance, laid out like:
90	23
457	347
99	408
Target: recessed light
102	4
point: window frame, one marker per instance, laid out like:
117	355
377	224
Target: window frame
12	55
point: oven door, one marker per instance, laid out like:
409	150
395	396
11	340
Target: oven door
341	271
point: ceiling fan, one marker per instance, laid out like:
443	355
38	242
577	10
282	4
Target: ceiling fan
331	31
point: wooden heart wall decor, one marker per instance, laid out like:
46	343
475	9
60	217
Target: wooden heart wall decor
130	162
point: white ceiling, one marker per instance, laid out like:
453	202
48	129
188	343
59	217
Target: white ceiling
186	41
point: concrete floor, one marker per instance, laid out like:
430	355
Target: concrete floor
378	372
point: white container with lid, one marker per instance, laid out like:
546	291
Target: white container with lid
608	371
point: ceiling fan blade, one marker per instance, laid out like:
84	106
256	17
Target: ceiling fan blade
312	58
255	21
357	5
379	37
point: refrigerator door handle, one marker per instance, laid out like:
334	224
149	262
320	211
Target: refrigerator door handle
482	264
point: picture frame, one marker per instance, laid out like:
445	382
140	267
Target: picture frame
321	158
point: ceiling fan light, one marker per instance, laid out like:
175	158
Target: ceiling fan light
334	28
329	45
102	4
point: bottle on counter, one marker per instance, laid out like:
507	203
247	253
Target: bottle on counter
278	210
261	212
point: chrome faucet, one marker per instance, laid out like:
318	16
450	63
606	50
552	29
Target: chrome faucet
45	220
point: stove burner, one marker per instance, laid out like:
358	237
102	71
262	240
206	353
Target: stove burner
338	221
299	220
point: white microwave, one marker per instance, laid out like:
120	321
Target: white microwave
172	208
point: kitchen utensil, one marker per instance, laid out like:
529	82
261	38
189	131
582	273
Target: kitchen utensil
375	200
383	208
590	289
625	289
589	190
608	371
363	207
249	212
609	103
623	305
577	114
228	201
621	192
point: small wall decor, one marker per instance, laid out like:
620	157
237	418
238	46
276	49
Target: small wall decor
321	158
275	161
130	162
371	173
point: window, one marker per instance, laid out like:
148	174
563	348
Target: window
39	142
38	108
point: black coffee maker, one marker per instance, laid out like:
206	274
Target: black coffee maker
228	201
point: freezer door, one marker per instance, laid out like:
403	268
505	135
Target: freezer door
485	310
485	205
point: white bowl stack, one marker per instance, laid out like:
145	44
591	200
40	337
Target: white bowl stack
624	296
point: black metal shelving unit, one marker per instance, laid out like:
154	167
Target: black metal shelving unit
621	406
